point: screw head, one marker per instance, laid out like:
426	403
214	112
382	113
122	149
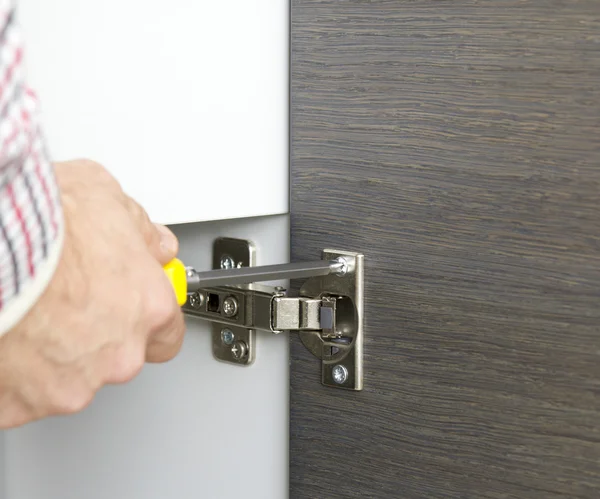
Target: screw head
344	266
340	374
227	262
239	350
227	336
196	300
230	306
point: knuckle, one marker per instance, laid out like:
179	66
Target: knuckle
142	220
161	309
164	349
70	400
166	342
90	163
173	336
94	168
127	364
137	210
14	413
99	173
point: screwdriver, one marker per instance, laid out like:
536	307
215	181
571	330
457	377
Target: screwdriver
186	280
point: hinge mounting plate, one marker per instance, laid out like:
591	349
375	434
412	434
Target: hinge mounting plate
340	347
231	343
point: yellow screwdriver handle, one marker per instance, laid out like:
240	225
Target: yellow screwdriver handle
177	274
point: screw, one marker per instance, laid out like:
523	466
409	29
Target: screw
340	374
227	336
230	306
239	350
343	269
227	262
196	300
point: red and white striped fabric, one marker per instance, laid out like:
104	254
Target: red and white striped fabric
31	224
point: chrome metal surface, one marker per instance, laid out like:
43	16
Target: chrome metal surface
339	374
346	346
227	262
239	350
328	318
253	306
295	314
196	300
227	336
344	267
235	276
230	306
242	253
328	314
223	351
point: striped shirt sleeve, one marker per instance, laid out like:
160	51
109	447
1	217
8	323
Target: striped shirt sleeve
31	223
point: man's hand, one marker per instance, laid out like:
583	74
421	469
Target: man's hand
108	309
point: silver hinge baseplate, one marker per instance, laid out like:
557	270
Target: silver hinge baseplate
327	313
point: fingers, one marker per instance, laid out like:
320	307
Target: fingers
166	322
14	413
165	343
161	242
166	326
166	339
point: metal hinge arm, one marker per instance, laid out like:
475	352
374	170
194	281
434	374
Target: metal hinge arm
262	307
296	314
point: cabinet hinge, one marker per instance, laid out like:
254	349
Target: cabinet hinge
327	313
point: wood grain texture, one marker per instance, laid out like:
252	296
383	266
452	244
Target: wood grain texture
457	144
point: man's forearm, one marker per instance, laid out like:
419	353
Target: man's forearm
31	222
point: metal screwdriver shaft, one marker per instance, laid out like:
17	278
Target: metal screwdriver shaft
246	275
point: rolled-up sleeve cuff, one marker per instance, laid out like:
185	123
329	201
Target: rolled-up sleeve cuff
18	307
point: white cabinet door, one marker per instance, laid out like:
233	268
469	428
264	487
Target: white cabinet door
185	101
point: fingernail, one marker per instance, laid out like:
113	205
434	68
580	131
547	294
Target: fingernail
168	241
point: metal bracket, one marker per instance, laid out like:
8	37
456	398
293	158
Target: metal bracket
339	344
231	343
327	314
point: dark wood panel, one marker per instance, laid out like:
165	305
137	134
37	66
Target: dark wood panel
456	143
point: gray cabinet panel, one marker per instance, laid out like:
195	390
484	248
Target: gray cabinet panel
2	467
191	428
457	144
